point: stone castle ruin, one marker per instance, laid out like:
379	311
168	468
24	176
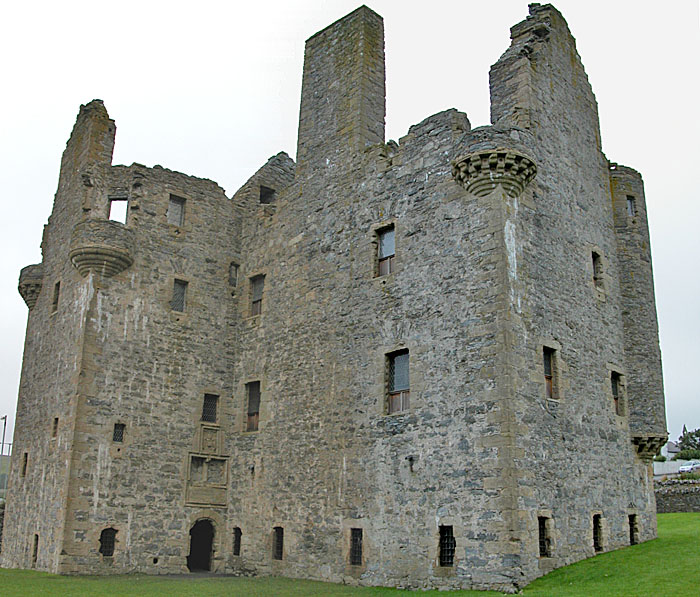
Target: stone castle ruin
425	364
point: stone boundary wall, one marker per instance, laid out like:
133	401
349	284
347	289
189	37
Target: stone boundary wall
678	495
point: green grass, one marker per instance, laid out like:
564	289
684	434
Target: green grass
668	566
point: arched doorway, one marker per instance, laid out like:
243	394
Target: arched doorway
201	543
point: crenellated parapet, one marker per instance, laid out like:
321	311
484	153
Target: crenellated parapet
30	282
103	247
480	172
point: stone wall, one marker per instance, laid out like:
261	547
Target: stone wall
677	495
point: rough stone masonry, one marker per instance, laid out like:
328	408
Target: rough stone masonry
425	364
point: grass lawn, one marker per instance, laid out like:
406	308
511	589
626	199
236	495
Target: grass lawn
668	567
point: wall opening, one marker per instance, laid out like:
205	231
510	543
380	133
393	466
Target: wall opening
237	534
108	539
356	547
278	543
634	529
597	533
35	550
447	546
201	544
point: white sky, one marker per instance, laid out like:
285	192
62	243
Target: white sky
212	89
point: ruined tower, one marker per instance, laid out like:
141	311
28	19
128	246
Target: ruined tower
428	364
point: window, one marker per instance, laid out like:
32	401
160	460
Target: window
25	462
108	538
447	546
356	547
118	433
257	283
54	427
597	270
548	355
179	294
176	210
233	273
597	533
35	550
634	529
616	384
253	396
631	206
398	387
385	250
267	195
118	209
56	294
237	534
209	408
545	541
278	543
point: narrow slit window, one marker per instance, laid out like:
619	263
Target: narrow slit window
118	209
54	427
631	206
176	210
597	269
355	547
257	284
118	432
615	383
267	195
209	408
386	250
253	411
278	543
634	529
597	533
447	546
35	550
398	387
545	541
25	463
108	539
237	534
548	357
233	274
56	294
179	295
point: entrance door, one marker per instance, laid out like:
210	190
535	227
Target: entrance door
201	542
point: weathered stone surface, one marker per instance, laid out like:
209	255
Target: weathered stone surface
481	285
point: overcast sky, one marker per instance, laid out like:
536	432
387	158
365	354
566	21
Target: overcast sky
212	88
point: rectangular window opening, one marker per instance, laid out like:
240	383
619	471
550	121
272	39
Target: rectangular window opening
597	533
176	210
634	529
233	274
447	546
179	295
278	543
386	250
54	427
35	550
209	408
597	269
549	373
615	383
56	294
253	411
631	206
355	547
545	542
267	195
237	534
257	284
118	209
25	463
399	393
118	433
108	539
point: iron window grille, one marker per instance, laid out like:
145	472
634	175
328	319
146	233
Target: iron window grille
356	547
179	294
544	539
257	284
209	407
634	529
278	543
253	413
237	534
398	390
386	250
118	433
597	533
108	538
447	546
176	210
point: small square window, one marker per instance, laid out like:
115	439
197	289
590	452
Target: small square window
179	295
176	210
118	209
278	543
257	284
631	206
385	250
118	433
209	408
448	545
253	410
398	381
267	195
356	547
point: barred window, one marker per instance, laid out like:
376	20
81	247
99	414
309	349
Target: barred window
176	210
597	533
386	250
237	534
209	408
108	538
356	547
278	543
179	295
398	384
118	433
545	542
253	411
257	284
447	546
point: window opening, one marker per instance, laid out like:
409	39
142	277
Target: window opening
386	250
233	273
253	392
267	195
209	408
278	543
35	550
615	380
399	392
597	533
108	538
548	357
634	529
447	546
544	539
54	427
118	209
237	534
356	547
631	206
25	460
201	545
176	210
597	269
56	294
118	433
179	294
257	284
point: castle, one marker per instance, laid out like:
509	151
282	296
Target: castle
425	364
